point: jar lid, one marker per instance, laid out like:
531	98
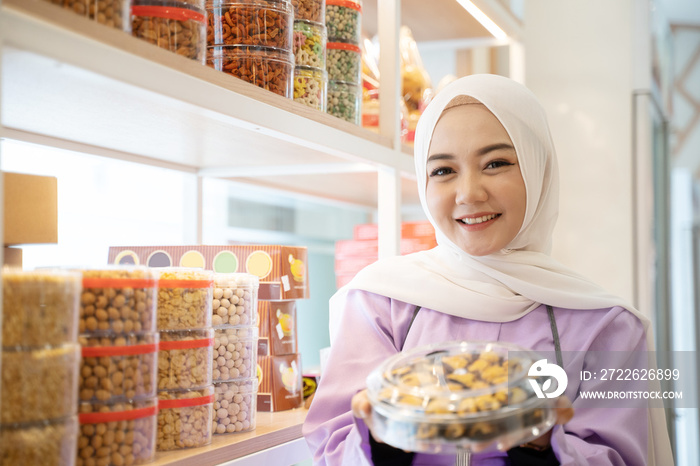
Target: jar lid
218	52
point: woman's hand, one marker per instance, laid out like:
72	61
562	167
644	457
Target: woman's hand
564	413
362	409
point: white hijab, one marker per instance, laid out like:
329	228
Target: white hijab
503	286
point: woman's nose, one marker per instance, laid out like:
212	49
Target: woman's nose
470	190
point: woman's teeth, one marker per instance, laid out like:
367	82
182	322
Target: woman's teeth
474	221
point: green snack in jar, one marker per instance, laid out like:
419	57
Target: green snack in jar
343	21
344	62
344	101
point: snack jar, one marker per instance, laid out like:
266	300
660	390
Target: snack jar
113	13
310	10
258	23
43	443
39	384
177	26
235	299
344	21
184	298
235	353
123	432
344	62
118	300
309	44
344	101
310	87
269	68
118	367
185	359
40	307
235	405
184	418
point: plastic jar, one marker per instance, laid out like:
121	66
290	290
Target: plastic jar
309	44
118	300
178	26
113	13
344	21
235	405
344	101
310	10
184	298
184	418
235	353
258	23
270	69
115	368
45	443
39	308
185	359
310	87
344	62
235	300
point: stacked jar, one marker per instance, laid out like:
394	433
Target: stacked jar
117	380
113	13
344	59
178	26
40	358
235	319
309	45
185	391
252	40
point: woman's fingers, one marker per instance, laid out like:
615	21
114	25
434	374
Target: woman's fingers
361	408
565	410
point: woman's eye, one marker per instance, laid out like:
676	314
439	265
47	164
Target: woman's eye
498	164
441	171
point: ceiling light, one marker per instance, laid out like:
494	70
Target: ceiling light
483	19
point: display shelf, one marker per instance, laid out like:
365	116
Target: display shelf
272	430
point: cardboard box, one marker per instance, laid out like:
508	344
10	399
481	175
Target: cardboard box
12	257
280	386
278	328
31	209
282	270
422	229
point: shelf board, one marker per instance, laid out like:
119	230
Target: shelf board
75	84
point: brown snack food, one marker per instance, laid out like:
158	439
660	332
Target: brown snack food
184	418
117	434
178	29
235	300
259	23
39	444
39	308
39	384
115	368
185	359
184	299
235	406
310	10
107	12
234	353
270	69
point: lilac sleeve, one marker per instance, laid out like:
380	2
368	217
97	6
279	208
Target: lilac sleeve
606	436
364	341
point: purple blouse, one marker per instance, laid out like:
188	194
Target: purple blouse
374	327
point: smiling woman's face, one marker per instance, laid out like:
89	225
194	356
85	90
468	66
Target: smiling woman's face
475	191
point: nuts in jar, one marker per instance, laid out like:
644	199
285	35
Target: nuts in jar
344	62
344	101
184	418
118	367
310	10
259	23
184	298
178	27
46	443
39	307
310	86
39	384
235	406
268	68
108	12
343	21
122	433
185	359
235	353
309	44
118	300
235	299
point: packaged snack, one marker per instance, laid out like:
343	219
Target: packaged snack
310	86
309	44
184	418
44	443
184	298
235	299
235	405
258	23
185	359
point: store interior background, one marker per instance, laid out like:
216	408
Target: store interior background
621	85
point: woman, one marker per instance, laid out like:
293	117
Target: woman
488	182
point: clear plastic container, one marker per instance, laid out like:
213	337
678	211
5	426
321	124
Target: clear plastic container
184	418
270	69
39	384
454	396
309	44
177	26
115	368
235	353
39	308
344	62
44	443
310	87
118	300
123	432
113	13
344	101
235	406
185	359
184	298
235	299
344	21
258	23
310	10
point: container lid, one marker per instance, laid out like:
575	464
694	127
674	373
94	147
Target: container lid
354	4
305	24
98	413
310	71
185	398
343	46
236	280
186	339
176	10
217	52
279	4
339	85
184	277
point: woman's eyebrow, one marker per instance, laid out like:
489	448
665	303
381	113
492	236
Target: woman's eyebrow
440	157
492	147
